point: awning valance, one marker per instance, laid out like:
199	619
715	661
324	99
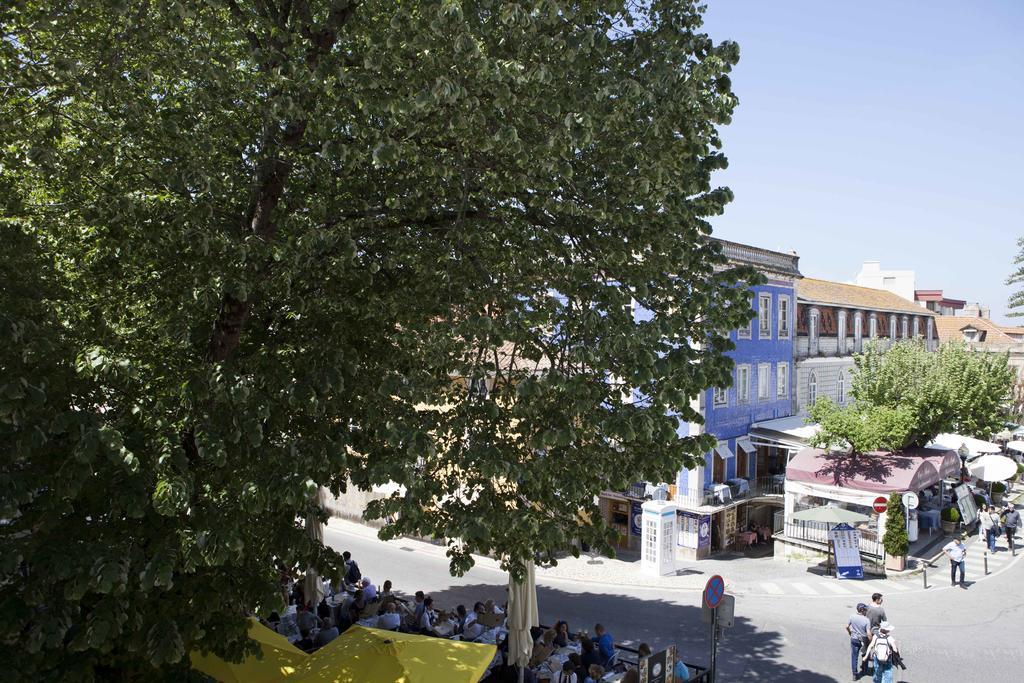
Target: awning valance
723	451
792	433
744	443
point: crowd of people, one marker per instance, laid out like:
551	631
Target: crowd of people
559	655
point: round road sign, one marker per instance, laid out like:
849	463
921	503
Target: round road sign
880	504
910	500
713	591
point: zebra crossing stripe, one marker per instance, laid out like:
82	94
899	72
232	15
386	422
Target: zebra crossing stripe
771	588
892	585
835	588
805	589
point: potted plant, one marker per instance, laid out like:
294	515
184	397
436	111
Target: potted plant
998	489
949	516
979	501
896	541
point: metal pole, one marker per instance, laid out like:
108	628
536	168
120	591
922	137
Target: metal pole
714	644
925	575
986	563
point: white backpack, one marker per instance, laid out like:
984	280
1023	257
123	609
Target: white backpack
882	649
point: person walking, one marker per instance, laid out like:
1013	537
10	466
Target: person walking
875	612
956	551
883	652
858	626
1011	520
989	525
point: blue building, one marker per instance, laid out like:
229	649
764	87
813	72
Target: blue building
739	485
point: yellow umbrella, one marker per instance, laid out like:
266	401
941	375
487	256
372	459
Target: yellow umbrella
280	658
370	655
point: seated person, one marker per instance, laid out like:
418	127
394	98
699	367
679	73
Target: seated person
594	674
386	593
491	608
369	590
323	610
604	643
390	620
589	654
428	618
356	607
473	630
543	649
305	643
326	634
461	616
568	673
577	666
306	619
562	637
274	620
417	609
478	608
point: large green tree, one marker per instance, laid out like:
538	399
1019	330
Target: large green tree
906	395
246	242
1016	301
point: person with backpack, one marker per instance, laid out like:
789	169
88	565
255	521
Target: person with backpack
883	650
352	573
1011	520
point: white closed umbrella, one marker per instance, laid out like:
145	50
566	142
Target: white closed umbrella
992	468
313	588
522	616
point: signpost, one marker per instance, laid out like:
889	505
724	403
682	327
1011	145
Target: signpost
846	541
721	609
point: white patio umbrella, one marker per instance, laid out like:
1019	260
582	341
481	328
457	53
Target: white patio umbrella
992	468
522	615
954	442
1016	446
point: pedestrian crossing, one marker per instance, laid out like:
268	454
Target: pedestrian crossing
938	577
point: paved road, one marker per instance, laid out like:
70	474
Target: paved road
946	634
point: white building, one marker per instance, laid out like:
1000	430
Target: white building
900	282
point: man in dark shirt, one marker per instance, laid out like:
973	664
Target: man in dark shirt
1011	520
326	634
305	643
352	573
876	614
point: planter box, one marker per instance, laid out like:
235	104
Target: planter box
897	563
947	527
997	498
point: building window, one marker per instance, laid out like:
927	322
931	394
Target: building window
842	388
764	381
892	328
858	331
784	317
841	331
872	326
917	328
812	330
782	380
742	383
764	316
721	397
906	322
744	331
812	389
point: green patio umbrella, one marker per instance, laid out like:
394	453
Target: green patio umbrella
828	514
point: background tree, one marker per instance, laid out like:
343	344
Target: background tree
905	395
1016	301
248	241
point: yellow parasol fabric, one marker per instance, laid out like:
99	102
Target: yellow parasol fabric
369	655
280	659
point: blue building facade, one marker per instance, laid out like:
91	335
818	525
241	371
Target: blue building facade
713	498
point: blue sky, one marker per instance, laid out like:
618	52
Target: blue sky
888	131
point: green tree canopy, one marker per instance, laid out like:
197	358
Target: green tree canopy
1016	302
905	395
246	242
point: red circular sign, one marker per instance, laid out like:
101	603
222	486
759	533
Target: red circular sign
880	504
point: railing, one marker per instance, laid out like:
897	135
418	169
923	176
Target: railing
767	486
698	674
817	533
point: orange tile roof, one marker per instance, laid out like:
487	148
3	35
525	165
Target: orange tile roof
949	328
1012	330
853	296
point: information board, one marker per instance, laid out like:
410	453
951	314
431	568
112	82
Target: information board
965	501
846	541
658	668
